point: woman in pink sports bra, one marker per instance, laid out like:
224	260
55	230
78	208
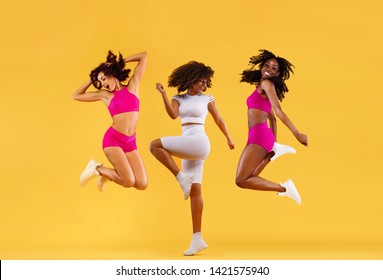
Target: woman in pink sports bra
269	73
122	101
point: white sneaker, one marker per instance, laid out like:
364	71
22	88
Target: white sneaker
101	183
89	172
280	150
291	191
197	245
185	181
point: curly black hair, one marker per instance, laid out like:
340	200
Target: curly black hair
254	75
113	67
186	75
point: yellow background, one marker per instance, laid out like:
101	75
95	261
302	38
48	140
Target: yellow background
47	51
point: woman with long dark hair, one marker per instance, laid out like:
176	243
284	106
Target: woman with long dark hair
269	73
120	94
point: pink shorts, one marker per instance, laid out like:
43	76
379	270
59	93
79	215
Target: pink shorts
113	138
262	135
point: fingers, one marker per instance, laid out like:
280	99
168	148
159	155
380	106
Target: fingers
160	87
302	138
231	145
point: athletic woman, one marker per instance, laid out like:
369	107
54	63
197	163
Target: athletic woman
122	101
193	146
269	73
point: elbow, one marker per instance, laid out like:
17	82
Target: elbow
144	55
220	122
272	121
77	96
272	118
173	115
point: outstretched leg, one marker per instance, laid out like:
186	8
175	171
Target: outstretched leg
196	205
198	243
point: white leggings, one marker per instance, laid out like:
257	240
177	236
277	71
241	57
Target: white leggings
192	147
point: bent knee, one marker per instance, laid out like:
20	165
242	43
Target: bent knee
128	182
155	144
240	182
141	184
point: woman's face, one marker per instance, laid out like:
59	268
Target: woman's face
107	82
200	85
270	69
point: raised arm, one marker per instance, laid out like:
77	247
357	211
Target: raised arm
138	72
81	95
220	123
172	108
269	88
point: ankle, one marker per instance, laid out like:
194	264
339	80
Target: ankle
98	169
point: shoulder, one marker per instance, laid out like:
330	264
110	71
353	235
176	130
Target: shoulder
266	82
266	86
209	97
105	93
178	97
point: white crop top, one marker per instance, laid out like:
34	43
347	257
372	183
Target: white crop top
193	108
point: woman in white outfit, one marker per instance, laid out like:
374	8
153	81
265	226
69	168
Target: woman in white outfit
193	146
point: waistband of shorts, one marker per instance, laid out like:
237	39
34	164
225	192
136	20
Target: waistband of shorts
133	136
264	124
193	128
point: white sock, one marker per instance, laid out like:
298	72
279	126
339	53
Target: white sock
197	244
185	181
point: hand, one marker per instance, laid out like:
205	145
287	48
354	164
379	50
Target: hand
302	138
231	144
160	88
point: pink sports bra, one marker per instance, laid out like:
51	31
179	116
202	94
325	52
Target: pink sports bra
257	101
123	101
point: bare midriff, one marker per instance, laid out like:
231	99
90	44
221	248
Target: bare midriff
191	123
256	116
126	123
